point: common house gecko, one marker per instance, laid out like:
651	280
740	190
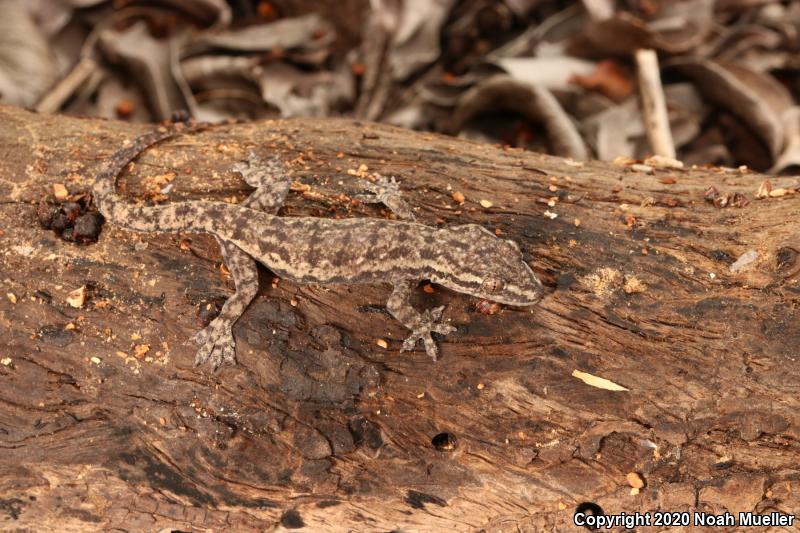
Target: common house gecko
465	258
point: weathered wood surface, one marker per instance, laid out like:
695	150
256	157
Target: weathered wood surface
320	428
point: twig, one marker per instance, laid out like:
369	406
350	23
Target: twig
653	104
66	87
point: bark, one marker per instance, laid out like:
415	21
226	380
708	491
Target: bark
106	425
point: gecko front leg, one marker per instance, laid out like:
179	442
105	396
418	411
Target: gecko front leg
387	191
420	324
217	345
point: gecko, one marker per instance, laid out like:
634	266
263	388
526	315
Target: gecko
466	258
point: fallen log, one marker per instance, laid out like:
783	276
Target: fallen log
105	424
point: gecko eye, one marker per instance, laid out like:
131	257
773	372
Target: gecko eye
492	285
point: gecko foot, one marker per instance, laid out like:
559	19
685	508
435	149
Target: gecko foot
387	191
422	332
216	345
258	172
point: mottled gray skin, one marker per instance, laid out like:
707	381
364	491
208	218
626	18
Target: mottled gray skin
467	258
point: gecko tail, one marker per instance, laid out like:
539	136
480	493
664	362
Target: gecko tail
114	207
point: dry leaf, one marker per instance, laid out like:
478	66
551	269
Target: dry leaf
536	103
609	79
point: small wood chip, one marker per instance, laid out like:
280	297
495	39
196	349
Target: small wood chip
382	343
96	360
594	381
635	480
458	197
633	285
140	349
486	204
77	297
5	361
660	161
775	193
638	167
764	189
11	297
59	191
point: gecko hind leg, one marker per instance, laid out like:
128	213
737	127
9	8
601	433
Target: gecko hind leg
217	345
216	340
420	324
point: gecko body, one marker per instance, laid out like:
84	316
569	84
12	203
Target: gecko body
465	258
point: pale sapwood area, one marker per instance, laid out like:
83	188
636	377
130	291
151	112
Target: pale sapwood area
105	424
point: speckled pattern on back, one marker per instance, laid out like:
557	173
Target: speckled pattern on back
465	258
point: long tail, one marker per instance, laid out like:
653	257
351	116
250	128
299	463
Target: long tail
118	210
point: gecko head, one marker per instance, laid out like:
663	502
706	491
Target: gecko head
489	268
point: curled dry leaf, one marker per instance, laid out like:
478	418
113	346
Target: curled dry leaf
415	42
216	12
675	28
758	99
550	72
148	60
531	101
306	32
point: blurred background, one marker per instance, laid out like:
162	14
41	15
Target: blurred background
552	76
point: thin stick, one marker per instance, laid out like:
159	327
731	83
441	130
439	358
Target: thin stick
654	107
66	87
